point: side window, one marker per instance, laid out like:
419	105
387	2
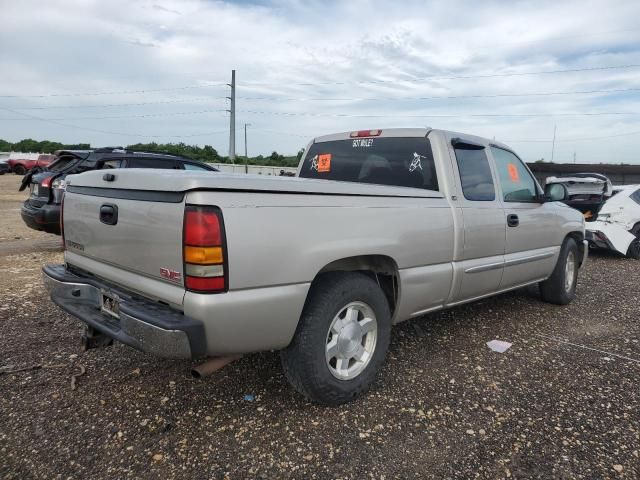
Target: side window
635	196
193	166
114	163
151	163
475	174
518	185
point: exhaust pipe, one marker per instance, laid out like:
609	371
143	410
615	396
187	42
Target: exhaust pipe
212	365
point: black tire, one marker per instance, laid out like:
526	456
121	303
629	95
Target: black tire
19	170
634	248
554	289
304	361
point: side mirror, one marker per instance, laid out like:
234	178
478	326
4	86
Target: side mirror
556	192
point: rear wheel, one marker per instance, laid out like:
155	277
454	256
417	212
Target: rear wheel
634	247
560	287
19	170
341	340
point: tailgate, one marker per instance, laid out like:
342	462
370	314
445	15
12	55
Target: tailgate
133	230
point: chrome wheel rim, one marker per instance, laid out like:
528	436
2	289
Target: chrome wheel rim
569	271
351	340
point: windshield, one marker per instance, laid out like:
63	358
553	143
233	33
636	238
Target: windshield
404	162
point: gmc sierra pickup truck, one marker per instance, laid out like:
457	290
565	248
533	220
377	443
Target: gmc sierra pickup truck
379	226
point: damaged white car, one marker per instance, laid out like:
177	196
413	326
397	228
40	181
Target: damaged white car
587	192
617	225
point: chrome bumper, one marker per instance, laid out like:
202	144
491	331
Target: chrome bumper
141	324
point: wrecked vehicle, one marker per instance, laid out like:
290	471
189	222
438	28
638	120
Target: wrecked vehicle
379	226
587	192
617	226
41	211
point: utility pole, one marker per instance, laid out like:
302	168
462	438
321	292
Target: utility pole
246	155
232	121
574	157
553	144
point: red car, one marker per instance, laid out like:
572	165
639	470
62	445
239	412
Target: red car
20	166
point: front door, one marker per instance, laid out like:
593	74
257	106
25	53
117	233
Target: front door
529	251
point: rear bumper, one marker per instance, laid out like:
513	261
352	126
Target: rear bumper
142	324
46	217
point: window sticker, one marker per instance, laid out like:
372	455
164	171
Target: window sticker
314	163
514	175
416	162
363	142
324	162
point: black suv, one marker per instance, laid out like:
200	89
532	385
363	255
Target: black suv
41	211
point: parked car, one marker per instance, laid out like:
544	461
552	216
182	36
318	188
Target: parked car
617	227
21	166
383	226
41	211
4	167
587	192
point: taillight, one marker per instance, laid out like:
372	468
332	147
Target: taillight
365	133
204	250
46	182
62	221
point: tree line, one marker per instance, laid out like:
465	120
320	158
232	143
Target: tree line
205	154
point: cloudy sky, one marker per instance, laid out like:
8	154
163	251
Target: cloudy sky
121	72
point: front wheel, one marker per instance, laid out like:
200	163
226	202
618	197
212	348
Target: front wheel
19	170
560	287
341	340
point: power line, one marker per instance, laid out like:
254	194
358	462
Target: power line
347	115
144	115
126	134
122	92
414	79
445	97
455	77
109	105
579	139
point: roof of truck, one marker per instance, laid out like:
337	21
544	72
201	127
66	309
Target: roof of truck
409	132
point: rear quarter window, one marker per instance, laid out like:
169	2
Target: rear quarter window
403	162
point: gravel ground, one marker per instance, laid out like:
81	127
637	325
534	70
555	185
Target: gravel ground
445	406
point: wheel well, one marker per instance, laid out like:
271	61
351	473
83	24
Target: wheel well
578	237
381	268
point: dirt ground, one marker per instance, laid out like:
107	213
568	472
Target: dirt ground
563	402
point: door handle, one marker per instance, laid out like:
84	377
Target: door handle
513	220
109	214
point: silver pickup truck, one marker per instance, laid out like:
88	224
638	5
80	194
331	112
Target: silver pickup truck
380	226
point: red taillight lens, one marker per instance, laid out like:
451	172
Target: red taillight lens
204	284
365	133
202	228
46	182
62	220
204	250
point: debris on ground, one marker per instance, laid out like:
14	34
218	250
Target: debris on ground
499	346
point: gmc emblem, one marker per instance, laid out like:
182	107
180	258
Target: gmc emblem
170	274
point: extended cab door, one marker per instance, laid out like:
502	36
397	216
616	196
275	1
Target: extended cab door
481	265
530	253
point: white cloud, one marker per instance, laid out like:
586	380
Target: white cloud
72	47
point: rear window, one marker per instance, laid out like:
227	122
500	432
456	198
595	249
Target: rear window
152	163
404	162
